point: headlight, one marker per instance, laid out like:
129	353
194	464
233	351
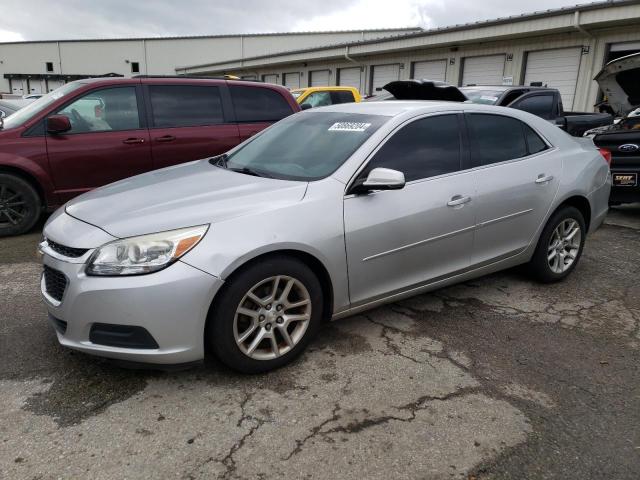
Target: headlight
144	254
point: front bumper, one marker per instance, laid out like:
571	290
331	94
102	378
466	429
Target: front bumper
171	304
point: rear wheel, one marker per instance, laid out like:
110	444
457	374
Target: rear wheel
560	245
20	205
266	315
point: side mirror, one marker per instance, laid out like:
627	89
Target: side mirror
561	123
305	106
379	179
58	124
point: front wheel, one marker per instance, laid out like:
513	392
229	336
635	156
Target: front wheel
20	205
266	315
560	246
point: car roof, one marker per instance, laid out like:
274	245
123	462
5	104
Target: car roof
399	107
503	88
327	87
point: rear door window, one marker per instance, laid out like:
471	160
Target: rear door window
185	105
342	97
495	138
258	104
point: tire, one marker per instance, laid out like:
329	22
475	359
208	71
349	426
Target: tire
549	270
20	205
226	329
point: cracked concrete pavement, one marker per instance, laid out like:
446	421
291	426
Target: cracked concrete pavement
499	377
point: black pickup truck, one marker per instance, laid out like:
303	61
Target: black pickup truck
620	82
541	101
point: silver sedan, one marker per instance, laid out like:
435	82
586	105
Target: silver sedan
327	213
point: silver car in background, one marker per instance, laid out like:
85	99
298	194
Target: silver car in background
327	213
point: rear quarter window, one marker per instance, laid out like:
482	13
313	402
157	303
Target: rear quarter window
257	104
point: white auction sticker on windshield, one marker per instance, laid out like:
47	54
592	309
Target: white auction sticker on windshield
349	127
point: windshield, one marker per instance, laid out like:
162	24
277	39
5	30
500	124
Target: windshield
25	114
484	97
307	146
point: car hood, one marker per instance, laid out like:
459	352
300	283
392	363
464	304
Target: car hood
194	193
424	90
620	81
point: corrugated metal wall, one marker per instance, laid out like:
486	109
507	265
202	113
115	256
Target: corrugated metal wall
593	48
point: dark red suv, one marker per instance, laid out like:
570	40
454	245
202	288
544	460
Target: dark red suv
92	132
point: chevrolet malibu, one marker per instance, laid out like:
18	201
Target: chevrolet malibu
325	214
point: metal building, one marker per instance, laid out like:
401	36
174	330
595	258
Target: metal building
41	66
561	48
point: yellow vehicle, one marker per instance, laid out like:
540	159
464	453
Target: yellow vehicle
321	96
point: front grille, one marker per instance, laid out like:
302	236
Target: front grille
55	283
66	251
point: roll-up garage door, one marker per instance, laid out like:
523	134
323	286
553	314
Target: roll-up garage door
556	69
383	74
319	78
53	84
349	77
487	70
292	80
270	78
431	70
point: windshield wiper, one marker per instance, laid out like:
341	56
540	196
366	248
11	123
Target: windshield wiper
219	160
250	171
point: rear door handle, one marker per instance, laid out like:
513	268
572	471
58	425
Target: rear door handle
458	201
166	138
542	178
130	141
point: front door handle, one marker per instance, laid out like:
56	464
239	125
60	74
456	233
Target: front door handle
542	178
130	141
458	201
166	138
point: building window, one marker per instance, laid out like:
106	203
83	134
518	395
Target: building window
49	66
135	67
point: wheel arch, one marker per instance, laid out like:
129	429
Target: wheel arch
29	177
581	203
310	260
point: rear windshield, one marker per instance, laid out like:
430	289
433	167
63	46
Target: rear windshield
484	97
307	146
27	113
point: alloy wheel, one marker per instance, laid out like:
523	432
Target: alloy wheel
272	317
13	206
564	245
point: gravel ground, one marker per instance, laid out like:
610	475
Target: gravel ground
499	377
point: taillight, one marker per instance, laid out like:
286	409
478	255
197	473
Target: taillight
606	154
